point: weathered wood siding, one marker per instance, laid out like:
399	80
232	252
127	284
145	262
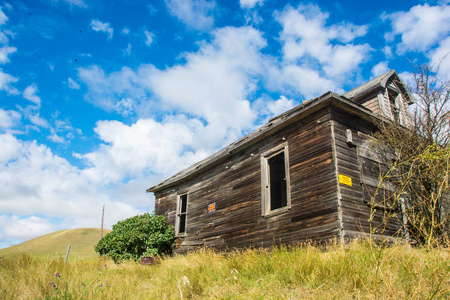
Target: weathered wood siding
373	104
234	185
361	213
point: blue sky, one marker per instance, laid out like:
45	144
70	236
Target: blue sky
100	100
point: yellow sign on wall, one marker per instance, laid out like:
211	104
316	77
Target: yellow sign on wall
345	180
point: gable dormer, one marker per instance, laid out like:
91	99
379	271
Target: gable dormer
386	96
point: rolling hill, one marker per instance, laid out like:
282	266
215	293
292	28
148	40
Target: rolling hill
81	240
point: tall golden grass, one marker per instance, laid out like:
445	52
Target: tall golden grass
359	270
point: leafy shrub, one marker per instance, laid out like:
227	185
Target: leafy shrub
139	236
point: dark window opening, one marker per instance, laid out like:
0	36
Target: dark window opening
277	181
182	227
182	206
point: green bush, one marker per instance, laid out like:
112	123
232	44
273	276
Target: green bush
139	236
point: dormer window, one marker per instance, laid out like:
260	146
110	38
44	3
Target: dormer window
386	96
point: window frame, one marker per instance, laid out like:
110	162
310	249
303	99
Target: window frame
180	213
265	180
394	99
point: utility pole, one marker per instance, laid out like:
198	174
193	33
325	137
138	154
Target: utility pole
103	217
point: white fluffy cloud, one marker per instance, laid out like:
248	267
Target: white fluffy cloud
26	228
32	114
61	131
96	25
8	118
79	3
6	79
306	36
148	37
3	17
246	4
424	29
420	28
213	84
107	90
10	147
302	81
380	68
125	31
5	83
30	94
441	57
72	84
317	57
280	106
127	50
4	52
125	107
3	38
36	181
197	14
146	146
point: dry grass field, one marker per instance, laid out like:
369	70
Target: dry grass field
360	270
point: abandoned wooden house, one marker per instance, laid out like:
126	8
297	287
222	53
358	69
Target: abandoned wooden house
305	175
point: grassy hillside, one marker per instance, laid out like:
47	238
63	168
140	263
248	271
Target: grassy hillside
357	271
82	242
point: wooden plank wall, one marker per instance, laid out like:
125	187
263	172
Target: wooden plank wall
359	216
373	104
235	187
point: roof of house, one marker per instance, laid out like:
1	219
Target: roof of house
273	125
379	83
346	101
